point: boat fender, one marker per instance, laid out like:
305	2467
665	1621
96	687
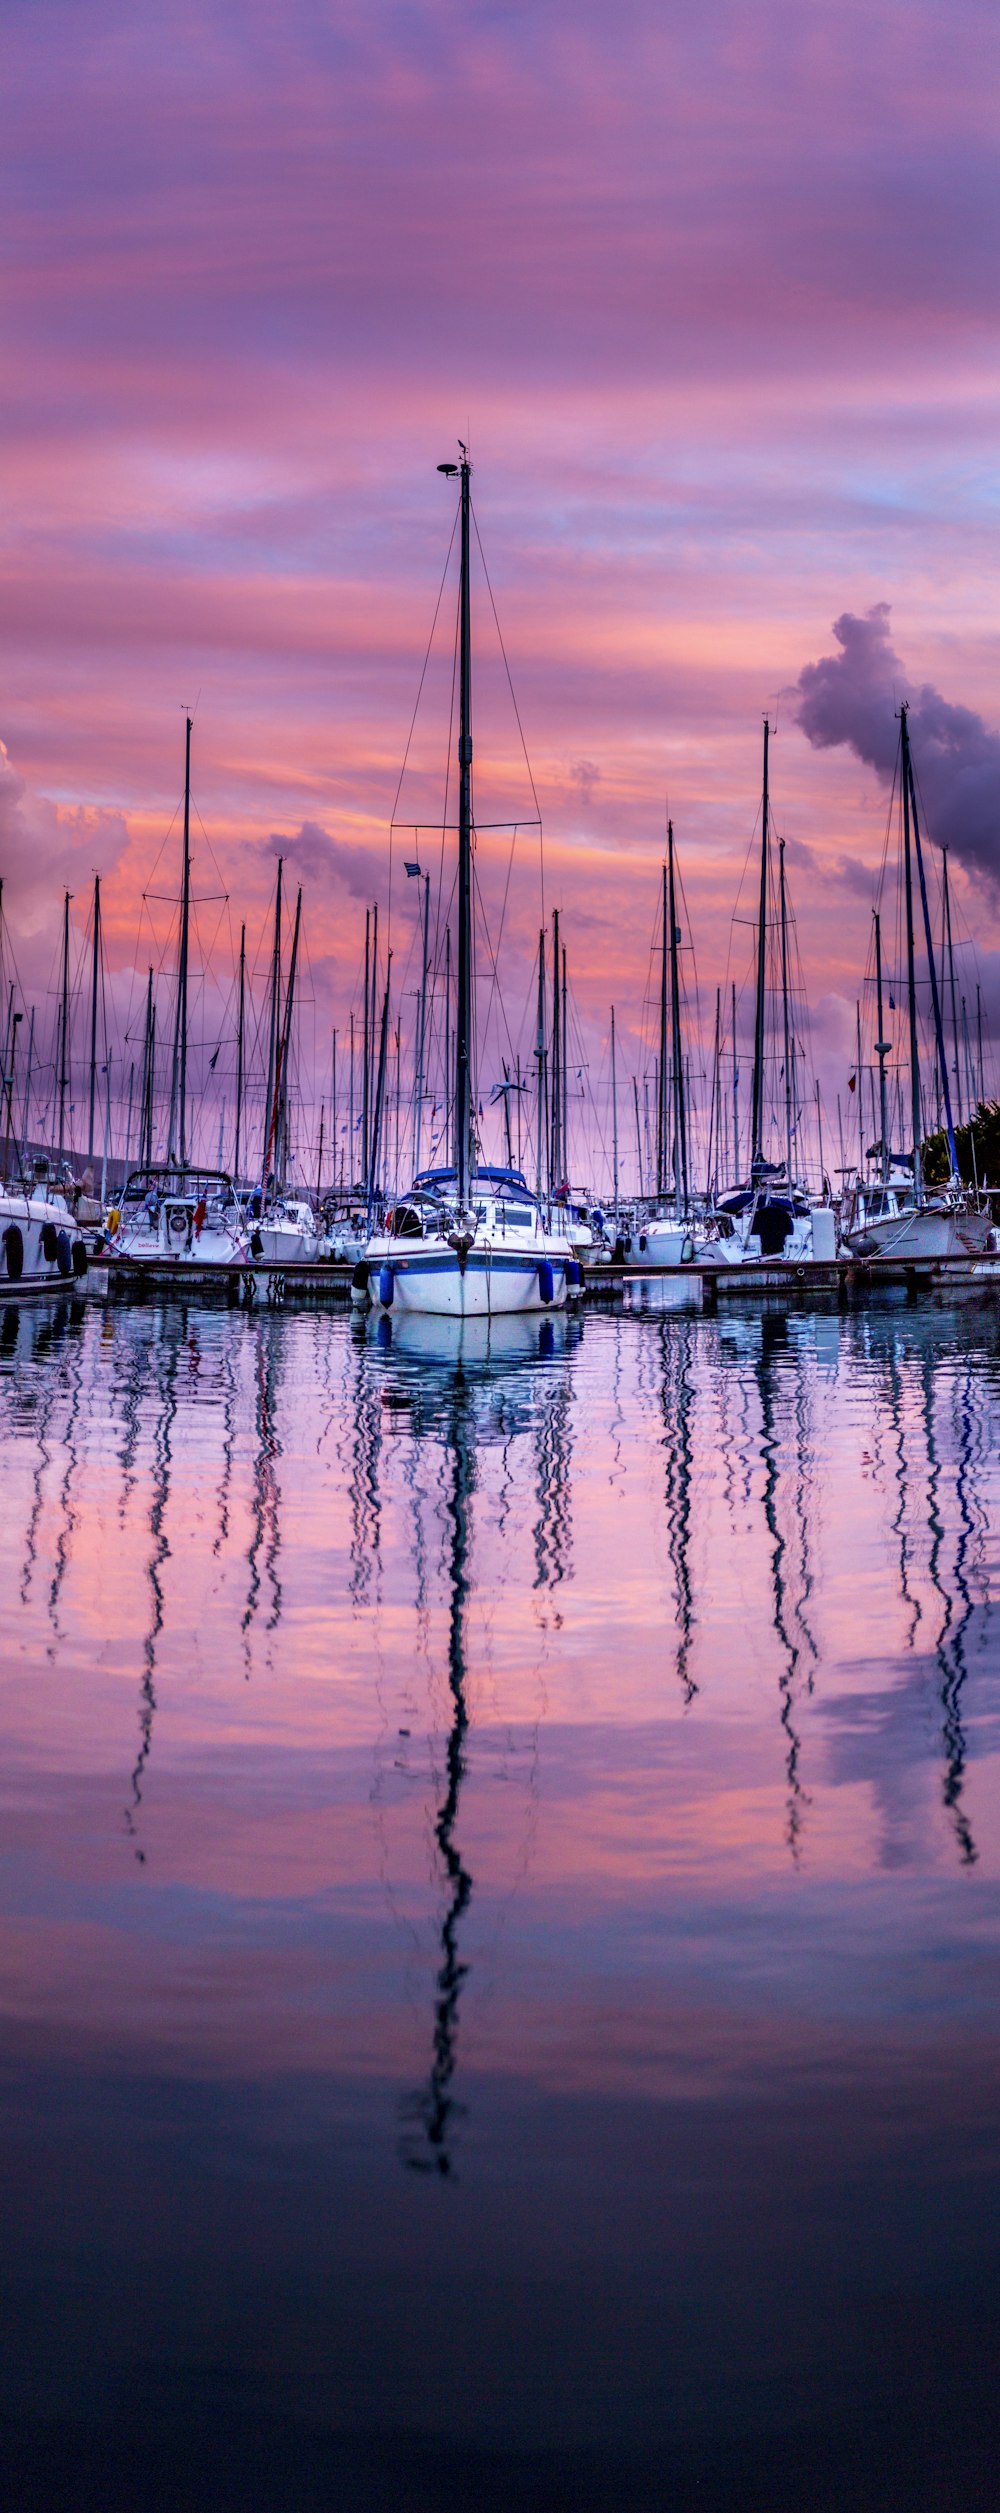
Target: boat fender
114	1222
546	1281
49	1242
256	1244
13	1246
359	1283
386	1285
79	1258
64	1253
643	1242
574	1276
620	1248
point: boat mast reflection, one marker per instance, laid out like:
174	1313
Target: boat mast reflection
677	1412
265	1503
773	1342
168	1349
949	1646
458	1380
432	2112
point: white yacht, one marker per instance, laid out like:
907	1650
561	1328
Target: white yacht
490	1256
287	1233
41	1243
179	1215
884	1219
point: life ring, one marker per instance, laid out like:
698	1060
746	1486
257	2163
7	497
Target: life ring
177	1223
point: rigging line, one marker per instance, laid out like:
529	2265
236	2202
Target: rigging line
495	985
416	711
517	715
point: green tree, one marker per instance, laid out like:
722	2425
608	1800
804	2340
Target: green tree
978	1148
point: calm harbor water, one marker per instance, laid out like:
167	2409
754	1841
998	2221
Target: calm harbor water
501	1934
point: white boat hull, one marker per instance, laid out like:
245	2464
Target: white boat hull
660	1243
491	1284
26	1223
922	1234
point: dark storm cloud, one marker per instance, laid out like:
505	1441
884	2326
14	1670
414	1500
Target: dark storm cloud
853	697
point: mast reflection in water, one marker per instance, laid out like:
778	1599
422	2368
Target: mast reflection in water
458	1383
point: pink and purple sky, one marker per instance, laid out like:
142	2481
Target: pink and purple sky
713	296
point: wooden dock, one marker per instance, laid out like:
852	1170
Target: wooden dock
843	1283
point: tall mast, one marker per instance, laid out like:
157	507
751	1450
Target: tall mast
449	1103
152	1075
26	1111
784	1010
369	993
350	1109
540	1059
861	1087
374	1020
678	1094
882	1046
379	1094
280	1117
614	1111
273	1028
736	1095
715	1112
178	1068
555	1078
949	947
240	1033
565	1077
146	1096
421	1028
661	1095
942	1061
463	1013
911	974
64	1027
757	1117
94	983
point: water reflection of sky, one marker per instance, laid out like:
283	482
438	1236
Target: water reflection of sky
562	1767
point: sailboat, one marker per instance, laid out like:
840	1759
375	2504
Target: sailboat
771	1214
663	1235
176	1209
895	1216
469	1240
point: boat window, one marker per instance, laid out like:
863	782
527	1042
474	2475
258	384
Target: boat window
517	1216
